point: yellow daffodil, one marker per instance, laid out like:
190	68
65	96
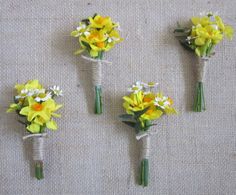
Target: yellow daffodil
31	84
207	32
97	42
97	35
152	113
80	30
139	101
100	22
37	105
203	21
33	127
43	110
142	107
229	32
164	103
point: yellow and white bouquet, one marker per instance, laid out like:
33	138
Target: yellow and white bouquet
143	106
204	34
96	35
36	108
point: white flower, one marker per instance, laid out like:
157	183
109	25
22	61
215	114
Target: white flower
39	99
136	87
149	85
56	90
118	26
24	91
86	33
79	28
111	39
215	26
161	102
29	92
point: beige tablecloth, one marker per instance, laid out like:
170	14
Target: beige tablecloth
193	153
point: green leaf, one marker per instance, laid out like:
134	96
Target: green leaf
186	45
74	33
95	15
209	49
86	21
85	44
78	51
147	125
16	101
141	112
138	127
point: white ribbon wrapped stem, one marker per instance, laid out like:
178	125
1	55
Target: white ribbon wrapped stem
38	145
96	69
145	150
201	68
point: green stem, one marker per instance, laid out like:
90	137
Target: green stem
98	91
144	172
98	99
199	102
39	170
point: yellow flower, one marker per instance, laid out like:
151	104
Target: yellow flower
139	101
203	21
31	84
13	107
97	36
34	127
229	32
164	103
100	22
96	41
43	111
82	28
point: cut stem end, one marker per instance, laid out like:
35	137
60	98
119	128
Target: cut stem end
98	99
144	172
39	170
199	102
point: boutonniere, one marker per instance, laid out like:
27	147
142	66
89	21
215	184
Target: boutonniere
36	109
97	35
143	106
202	37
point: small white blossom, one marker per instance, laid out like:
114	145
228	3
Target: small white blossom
149	85
136	87
39	99
86	33
161	102
29	92
79	28
56	90
118	26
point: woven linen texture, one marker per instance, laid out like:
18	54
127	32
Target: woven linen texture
193	153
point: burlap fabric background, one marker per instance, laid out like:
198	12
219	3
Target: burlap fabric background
193	153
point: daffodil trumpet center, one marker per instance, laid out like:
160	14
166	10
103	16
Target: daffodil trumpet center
37	107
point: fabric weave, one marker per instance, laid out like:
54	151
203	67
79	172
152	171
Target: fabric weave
192	153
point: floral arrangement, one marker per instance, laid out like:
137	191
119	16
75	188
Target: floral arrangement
201	38
96	35
36	108
143	106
